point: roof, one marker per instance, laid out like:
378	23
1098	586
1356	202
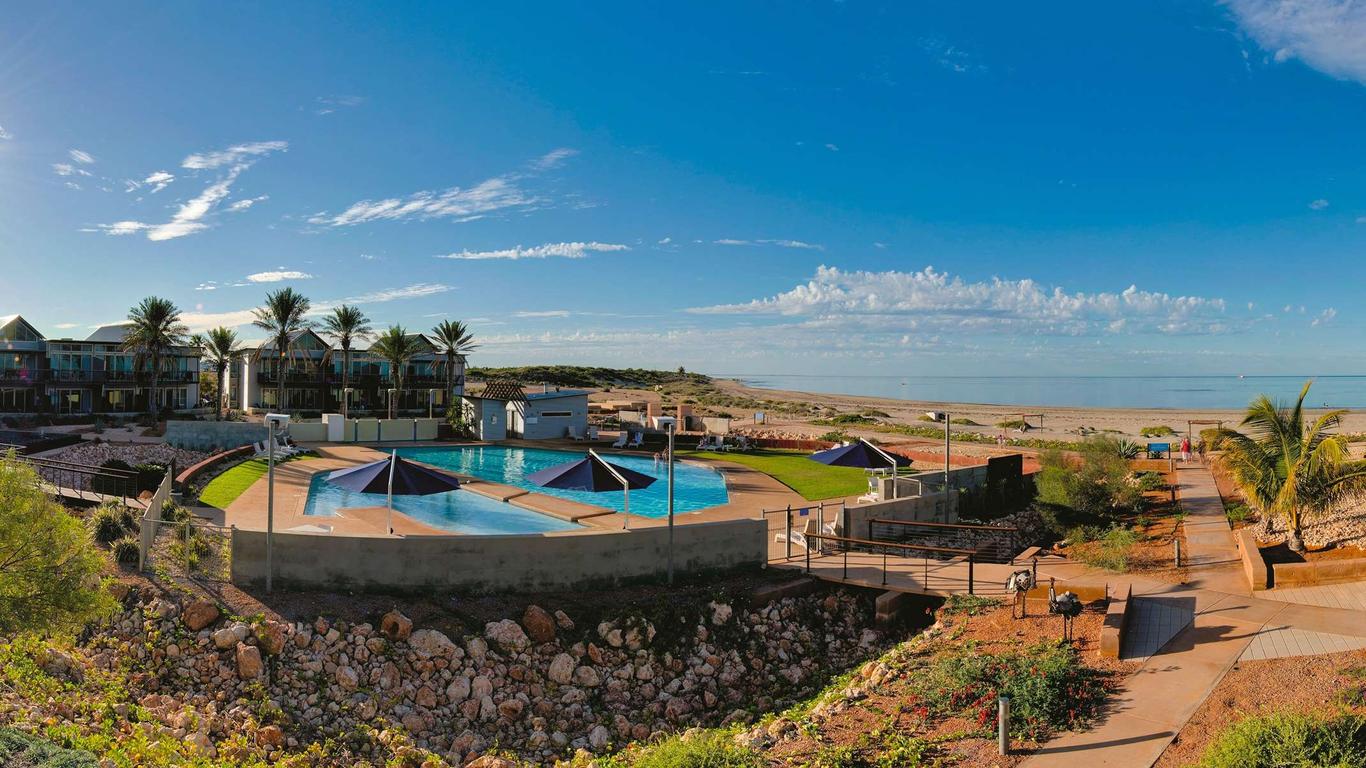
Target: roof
114	332
8	320
509	391
557	393
293	337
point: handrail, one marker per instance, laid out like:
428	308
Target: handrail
896	544
124	474
971	555
959	526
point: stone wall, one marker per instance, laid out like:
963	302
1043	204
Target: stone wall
213	435
562	560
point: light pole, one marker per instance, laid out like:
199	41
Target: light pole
272	420
672	427
346	401
948	418
393	411
431	398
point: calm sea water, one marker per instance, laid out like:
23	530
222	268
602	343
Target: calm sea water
1189	392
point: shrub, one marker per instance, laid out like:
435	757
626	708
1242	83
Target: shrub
1236	512
965	422
1150	481
706	750
126	549
1110	550
110	521
1161	430
20	749
1012	424
174	513
1287	738
1049	688
835	437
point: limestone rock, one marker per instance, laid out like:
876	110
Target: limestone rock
396	626
507	634
199	614
270	636
249	666
539	624
429	642
561	669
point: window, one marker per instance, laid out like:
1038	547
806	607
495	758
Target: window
557	414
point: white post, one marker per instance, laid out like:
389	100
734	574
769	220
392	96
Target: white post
390	511
672	426
948	418
625	487
270	498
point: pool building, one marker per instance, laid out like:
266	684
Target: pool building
503	410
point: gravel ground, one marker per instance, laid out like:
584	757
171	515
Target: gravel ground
1260	687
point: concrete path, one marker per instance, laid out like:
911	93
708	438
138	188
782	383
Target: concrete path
1153	622
1346	596
1210	550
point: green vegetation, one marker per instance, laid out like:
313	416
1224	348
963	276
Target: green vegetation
710	749
19	750
1037	443
110	521
154	328
1288	466
224	489
1161	430
1290	739
1049	688
1109	550
49	566
846	419
587	376
1236	512
970	605
1013	424
964	422
1096	490
794	469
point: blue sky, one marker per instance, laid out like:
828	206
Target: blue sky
977	189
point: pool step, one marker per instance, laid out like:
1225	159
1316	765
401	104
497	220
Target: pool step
564	509
496	491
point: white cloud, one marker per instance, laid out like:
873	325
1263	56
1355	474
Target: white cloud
559	250
1324	317
1318	204
769	241
553	159
4	134
242	205
414	291
66	326
278	276
326	105
1327	35
67	169
664	241
542	313
187	218
123	227
210	285
931	300
832	147
488	196
78	156
203	321
158	180
234	155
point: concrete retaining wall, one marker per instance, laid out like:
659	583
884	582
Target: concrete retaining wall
1254	566
574	559
221	435
912	509
213	435
1116	624
1285	575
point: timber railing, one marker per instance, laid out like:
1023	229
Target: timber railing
930	563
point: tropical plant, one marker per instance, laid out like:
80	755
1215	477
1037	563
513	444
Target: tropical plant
221	348
455	341
397	348
154	328
347	325
1128	449
49	566
284	315
1288	466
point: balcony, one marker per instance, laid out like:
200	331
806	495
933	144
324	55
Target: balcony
294	378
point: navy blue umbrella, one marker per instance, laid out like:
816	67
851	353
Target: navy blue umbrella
393	475
862	454
592	473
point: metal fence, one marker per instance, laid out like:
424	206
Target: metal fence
925	558
85	481
991	543
193	548
829	516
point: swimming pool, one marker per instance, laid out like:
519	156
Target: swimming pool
458	511
695	486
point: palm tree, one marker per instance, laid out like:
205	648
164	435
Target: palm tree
397	348
221	349
282	316
456	341
345	325
154	328
1286	467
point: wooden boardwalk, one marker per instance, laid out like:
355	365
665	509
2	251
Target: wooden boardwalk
90	497
913	575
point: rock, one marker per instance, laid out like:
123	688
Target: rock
490	761
586	677
507	634
161	609
480	687
563	621
396	626
425	697
249	666
561	669
270	636
389	676
720	613
477	649
428	643
511	709
120	590
224	639
458	690
347	678
414	723
199	614
270	736
539	624
599	737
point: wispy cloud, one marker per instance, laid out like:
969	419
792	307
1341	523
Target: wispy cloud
1326	35
66	326
557	250
67	169
4	134
242	205
78	156
542	313
1318	205
278	276
1326	316
951	57
932	300
326	105
235	155
781	243
494	195
189	216
236	318
158	180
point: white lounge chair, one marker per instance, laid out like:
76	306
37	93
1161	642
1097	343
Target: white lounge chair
574	433
284	449
260	448
637	440
706	444
621	440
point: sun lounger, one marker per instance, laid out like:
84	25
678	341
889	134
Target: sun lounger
574	433
621	441
637	440
706	444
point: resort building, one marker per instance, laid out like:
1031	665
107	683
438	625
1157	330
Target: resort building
312	373
504	410
88	376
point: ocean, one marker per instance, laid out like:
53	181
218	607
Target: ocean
1186	392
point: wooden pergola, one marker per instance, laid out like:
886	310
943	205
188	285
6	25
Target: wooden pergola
1190	426
1025	417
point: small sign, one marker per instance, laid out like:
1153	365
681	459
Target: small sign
758	417
1159	447
803	512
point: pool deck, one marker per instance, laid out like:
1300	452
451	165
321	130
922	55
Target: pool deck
748	490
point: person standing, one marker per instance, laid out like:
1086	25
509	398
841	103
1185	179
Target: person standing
1185	449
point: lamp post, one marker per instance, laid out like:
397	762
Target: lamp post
431	398
346	401
948	418
393	411
672	426
272	421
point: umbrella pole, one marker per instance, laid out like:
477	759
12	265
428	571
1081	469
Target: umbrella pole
626	517
390	510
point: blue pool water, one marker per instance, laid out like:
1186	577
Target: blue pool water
695	487
459	511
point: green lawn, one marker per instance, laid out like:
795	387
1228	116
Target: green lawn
224	489
794	469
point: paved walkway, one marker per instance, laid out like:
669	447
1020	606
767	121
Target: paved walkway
1351	596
